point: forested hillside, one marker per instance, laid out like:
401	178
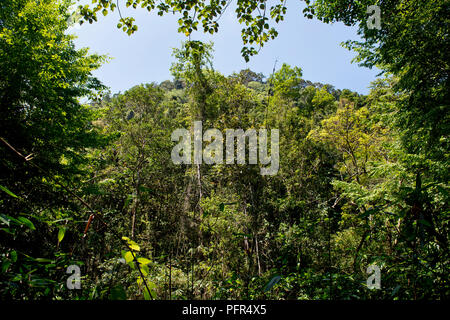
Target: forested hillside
362	179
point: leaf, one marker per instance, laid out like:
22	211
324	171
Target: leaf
43	260
143	261
144	269
152	293
27	222
128	256
271	283
425	222
4	219
41	283
12	219
222	206
146	294
7	230
7	191
240	234
133	245
127	201
394	292
5	266
61	233
50	222
13	256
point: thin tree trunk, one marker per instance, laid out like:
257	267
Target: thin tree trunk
257	256
135	204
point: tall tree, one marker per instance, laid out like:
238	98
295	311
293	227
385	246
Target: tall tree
45	132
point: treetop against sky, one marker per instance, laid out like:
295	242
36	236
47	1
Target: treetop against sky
146	55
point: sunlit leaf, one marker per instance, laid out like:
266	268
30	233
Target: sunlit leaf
128	256
27	222
143	261
61	233
8	191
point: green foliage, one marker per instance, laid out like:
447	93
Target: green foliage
257	16
43	78
363	179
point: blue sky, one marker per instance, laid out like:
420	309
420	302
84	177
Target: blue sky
146	56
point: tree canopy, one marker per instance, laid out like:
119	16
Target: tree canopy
87	180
